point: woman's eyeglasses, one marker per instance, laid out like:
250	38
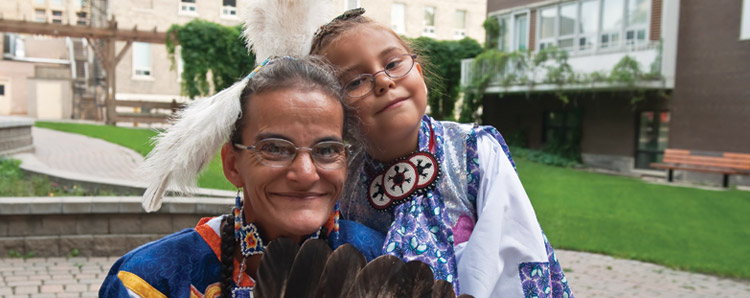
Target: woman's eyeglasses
395	68
278	153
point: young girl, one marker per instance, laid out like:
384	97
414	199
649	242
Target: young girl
440	192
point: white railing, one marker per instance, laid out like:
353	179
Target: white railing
601	61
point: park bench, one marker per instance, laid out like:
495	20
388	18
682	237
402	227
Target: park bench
149	111
725	163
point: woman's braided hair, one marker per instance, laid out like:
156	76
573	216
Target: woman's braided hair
228	245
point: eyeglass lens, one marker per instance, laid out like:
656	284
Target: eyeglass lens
281	153
395	68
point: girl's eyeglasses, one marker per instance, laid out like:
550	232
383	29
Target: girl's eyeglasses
396	67
279	153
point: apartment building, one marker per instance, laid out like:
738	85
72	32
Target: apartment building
36	72
699	52
145	72
439	19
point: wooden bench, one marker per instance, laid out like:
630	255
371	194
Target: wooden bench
725	163
146	115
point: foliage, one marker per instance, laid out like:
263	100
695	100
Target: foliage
140	141
542	157
205	48
14	183
492	31
493	64
685	228
445	71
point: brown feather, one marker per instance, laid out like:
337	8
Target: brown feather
419	280
382	277
340	272
274	268
442	289
307	268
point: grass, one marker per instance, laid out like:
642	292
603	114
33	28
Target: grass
138	139
683	228
14	183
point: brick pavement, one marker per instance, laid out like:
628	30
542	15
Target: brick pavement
590	275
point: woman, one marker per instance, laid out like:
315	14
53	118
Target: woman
285	154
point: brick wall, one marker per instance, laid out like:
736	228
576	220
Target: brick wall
99	226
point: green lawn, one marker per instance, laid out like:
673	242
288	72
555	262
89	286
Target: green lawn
685	228
138	139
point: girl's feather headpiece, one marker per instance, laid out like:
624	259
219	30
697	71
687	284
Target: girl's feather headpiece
272	28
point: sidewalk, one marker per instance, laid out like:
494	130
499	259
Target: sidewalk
590	275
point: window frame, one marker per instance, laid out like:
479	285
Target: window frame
429	30
56	19
228	11
745	20
37	16
143	69
347	5
594	41
459	32
659	126
402	22
184	8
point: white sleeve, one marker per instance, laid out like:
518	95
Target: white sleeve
506	233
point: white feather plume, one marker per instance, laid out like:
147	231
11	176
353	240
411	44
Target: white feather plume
284	27
181	152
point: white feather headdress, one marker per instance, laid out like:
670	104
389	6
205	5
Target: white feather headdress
273	28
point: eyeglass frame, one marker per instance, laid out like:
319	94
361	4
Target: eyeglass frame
254	149
372	76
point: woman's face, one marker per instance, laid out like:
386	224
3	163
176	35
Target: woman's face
295	200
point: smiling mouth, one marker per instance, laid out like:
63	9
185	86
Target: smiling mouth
301	196
391	104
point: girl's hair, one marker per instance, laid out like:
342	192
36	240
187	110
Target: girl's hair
334	30
304	74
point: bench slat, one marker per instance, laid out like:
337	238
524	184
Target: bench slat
711	162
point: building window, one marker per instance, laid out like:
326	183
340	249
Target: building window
459	23
40	15
57	17
637	17
429	21
351	4
745	26
40	2
514	32
588	23
82	20
653	134
585	25
187	7
398	14
547	28
229	8
562	130
521	30
55	2
141	59
2	90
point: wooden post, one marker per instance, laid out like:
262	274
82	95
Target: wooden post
111	68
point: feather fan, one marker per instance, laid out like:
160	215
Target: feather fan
284	27
319	273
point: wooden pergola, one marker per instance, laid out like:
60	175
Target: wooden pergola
106	53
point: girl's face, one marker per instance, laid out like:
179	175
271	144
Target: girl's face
295	200
392	111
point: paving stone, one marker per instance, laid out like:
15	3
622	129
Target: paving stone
54	289
22	283
26	290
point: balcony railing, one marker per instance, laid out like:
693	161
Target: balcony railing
587	71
